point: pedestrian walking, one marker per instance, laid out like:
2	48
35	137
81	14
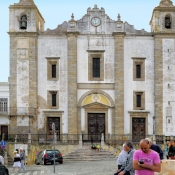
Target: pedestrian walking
17	163
146	161
1	159
127	167
166	150
23	157
171	152
121	158
156	148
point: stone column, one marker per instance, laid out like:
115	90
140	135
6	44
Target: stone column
72	83
80	140
102	141
158	85
119	83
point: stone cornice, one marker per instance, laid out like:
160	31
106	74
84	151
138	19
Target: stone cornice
138	111
118	33
95	50
72	33
24	34
171	34
4	83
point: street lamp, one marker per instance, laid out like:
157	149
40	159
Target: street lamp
29	122
53	129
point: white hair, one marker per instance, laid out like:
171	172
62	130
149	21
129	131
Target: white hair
149	140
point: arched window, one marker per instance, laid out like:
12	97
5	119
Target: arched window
23	22
168	22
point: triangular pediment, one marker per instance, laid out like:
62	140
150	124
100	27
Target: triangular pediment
96	105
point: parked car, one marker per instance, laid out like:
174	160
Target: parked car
47	156
3	169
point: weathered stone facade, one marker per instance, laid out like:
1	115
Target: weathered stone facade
53	74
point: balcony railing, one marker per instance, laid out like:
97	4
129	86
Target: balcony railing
17	111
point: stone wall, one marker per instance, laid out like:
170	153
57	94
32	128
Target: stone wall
33	150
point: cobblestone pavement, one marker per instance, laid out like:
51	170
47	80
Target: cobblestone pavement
103	167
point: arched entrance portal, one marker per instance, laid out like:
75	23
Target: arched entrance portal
96	116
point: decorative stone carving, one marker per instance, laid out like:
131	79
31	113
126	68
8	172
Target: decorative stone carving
22	54
72	25
119	24
166	3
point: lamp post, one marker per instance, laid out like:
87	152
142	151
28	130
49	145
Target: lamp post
53	129
29	123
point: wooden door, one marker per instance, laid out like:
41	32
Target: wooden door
96	126
56	121
4	129
138	129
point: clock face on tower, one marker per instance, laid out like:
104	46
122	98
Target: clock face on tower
95	21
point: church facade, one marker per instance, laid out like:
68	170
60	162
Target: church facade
93	75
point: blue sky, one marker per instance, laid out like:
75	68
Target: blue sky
135	12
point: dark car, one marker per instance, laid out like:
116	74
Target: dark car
3	169
47	156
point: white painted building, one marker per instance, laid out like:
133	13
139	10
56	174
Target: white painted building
93	75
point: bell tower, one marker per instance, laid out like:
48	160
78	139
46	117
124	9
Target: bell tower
25	24
162	17
163	29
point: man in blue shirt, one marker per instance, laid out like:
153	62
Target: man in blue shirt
155	148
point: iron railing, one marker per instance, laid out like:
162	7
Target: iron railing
48	138
17	111
110	139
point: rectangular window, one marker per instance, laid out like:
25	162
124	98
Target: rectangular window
96	67
54	99
53	70
3	104
138	100
138	71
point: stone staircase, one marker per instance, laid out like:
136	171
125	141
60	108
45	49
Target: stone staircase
87	154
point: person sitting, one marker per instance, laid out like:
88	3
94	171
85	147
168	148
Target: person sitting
121	158
94	146
127	167
98	147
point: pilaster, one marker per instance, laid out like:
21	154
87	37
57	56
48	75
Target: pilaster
158	86
72	83
119	83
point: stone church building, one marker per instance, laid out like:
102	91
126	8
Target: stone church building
93	75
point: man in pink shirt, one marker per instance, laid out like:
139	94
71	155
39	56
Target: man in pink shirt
145	160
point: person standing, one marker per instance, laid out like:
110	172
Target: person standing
156	148
146	161
1	159
121	158
167	149
22	156
17	163
171	152
127	167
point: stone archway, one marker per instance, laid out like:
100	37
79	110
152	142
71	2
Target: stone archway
95	102
95	92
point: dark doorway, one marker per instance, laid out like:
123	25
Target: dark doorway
4	130
138	129
56	121
96	126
